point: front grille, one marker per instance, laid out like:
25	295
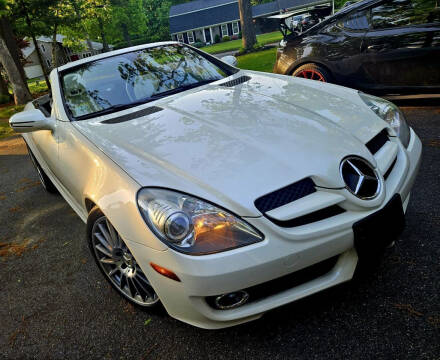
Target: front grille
310	218
236	81
285	195
285	282
376	143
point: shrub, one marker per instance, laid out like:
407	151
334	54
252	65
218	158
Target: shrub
198	44
217	38
4	99
255	48
226	38
240	35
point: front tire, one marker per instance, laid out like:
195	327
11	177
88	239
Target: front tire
116	262
313	72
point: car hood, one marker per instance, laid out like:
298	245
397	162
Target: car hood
233	144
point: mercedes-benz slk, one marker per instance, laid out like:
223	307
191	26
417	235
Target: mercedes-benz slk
220	193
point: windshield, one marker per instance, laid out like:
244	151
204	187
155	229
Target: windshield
122	81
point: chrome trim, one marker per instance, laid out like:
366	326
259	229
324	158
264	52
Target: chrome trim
362	177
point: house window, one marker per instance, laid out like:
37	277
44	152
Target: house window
180	38
235	28
190	37
42	48
225	30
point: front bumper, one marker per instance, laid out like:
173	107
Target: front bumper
283	251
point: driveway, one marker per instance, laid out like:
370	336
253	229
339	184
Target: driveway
56	304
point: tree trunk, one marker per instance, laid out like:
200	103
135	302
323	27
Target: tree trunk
4	91
247	26
37	49
11	43
89	43
54	46
19	87
41	61
125	34
105	47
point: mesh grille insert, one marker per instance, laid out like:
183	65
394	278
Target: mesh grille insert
376	143
285	195
236	81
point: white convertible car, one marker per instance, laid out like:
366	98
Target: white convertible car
218	192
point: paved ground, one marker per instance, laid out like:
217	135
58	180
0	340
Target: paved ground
55	303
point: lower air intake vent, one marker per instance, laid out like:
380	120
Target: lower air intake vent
285	195
376	143
236	81
315	216
137	114
285	282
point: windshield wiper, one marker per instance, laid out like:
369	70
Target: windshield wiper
119	107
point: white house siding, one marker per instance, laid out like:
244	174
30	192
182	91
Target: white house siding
33	71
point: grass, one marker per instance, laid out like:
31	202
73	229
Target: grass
232	45
37	86
6	111
5	129
258	61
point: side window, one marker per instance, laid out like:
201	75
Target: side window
398	13
356	21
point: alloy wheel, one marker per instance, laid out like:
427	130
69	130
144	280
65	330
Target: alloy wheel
119	265
310	74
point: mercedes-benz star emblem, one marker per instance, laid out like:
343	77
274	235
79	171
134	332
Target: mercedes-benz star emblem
360	178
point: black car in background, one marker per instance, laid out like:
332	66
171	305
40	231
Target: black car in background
379	46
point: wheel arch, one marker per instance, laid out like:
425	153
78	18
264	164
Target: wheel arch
89	204
302	62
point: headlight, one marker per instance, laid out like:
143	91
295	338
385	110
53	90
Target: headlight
391	114
193	226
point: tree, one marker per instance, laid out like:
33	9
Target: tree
32	18
247	26
128	19
13	44
19	87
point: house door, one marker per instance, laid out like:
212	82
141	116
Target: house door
207	35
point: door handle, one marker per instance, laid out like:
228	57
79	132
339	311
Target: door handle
374	48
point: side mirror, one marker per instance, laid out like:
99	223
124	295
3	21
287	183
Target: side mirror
30	120
231	60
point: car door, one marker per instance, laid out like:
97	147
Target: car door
44	145
341	47
402	46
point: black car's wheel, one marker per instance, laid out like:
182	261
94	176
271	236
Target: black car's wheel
44	179
312	72
117	263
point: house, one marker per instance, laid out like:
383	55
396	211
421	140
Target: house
32	67
206	20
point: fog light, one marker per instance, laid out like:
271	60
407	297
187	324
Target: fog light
231	300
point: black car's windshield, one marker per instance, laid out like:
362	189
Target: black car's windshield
125	80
